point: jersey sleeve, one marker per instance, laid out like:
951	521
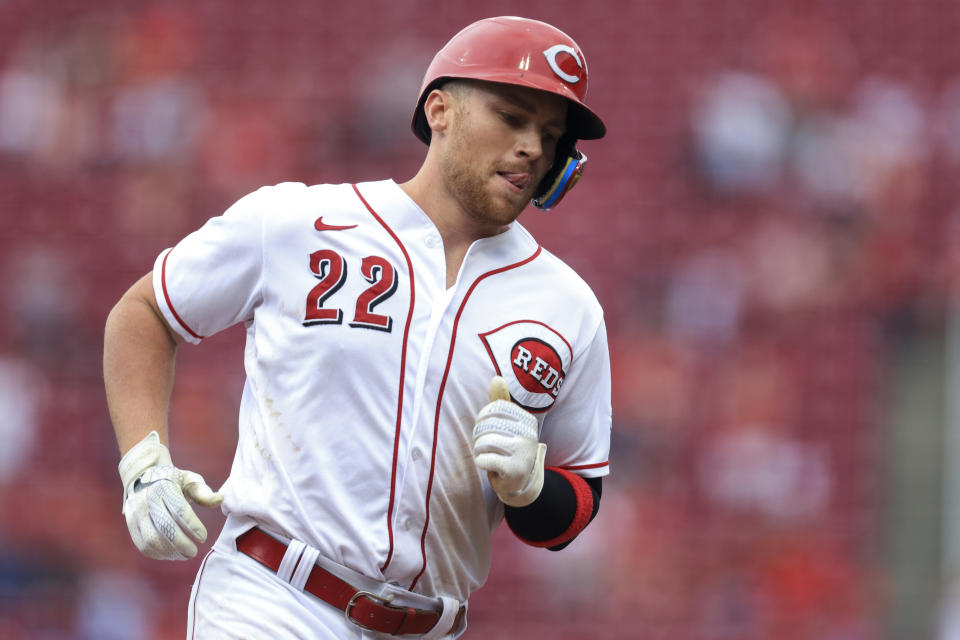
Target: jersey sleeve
211	279
577	428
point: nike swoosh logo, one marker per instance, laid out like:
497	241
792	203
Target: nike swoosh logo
320	225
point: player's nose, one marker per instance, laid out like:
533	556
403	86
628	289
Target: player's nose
530	143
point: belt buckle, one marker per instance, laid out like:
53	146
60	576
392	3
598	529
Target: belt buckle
353	600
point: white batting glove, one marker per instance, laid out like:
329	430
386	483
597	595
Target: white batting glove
506	446
155	503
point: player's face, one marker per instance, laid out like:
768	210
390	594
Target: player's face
502	142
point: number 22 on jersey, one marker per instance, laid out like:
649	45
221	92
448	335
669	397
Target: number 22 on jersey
330	268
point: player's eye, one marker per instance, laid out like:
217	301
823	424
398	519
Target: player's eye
510	118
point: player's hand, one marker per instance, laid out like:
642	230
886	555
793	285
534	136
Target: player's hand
506	446
155	501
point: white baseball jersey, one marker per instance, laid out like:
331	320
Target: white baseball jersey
365	372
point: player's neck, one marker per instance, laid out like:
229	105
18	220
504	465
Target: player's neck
457	230
429	192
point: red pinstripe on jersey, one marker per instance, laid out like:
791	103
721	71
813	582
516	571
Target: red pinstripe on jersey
403	369
578	467
443	384
166	296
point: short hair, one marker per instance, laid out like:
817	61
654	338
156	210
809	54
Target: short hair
457	86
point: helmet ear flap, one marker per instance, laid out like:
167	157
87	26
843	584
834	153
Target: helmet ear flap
420	127
562	177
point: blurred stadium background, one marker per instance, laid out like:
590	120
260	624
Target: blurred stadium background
772	224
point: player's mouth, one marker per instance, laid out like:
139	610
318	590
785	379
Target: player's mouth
518	181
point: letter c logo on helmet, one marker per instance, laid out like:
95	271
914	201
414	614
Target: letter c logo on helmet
551	56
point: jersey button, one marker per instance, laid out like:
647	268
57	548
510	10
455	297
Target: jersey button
416	455
432	241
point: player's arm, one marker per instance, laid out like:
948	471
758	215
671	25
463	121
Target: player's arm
566	505
545	507
138	362
139	351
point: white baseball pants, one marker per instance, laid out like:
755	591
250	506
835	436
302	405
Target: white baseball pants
236	598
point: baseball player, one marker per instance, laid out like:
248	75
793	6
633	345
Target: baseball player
417	367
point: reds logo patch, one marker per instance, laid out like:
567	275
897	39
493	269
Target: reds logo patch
533	358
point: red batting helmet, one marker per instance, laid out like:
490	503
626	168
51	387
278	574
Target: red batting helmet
517	51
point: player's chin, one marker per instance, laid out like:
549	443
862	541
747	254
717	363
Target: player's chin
507	209
511	201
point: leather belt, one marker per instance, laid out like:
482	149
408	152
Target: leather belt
365	609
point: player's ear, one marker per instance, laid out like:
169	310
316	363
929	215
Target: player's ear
438	109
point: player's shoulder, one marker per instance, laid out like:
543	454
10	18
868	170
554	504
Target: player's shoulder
289	202
293	193
570	284
573	282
